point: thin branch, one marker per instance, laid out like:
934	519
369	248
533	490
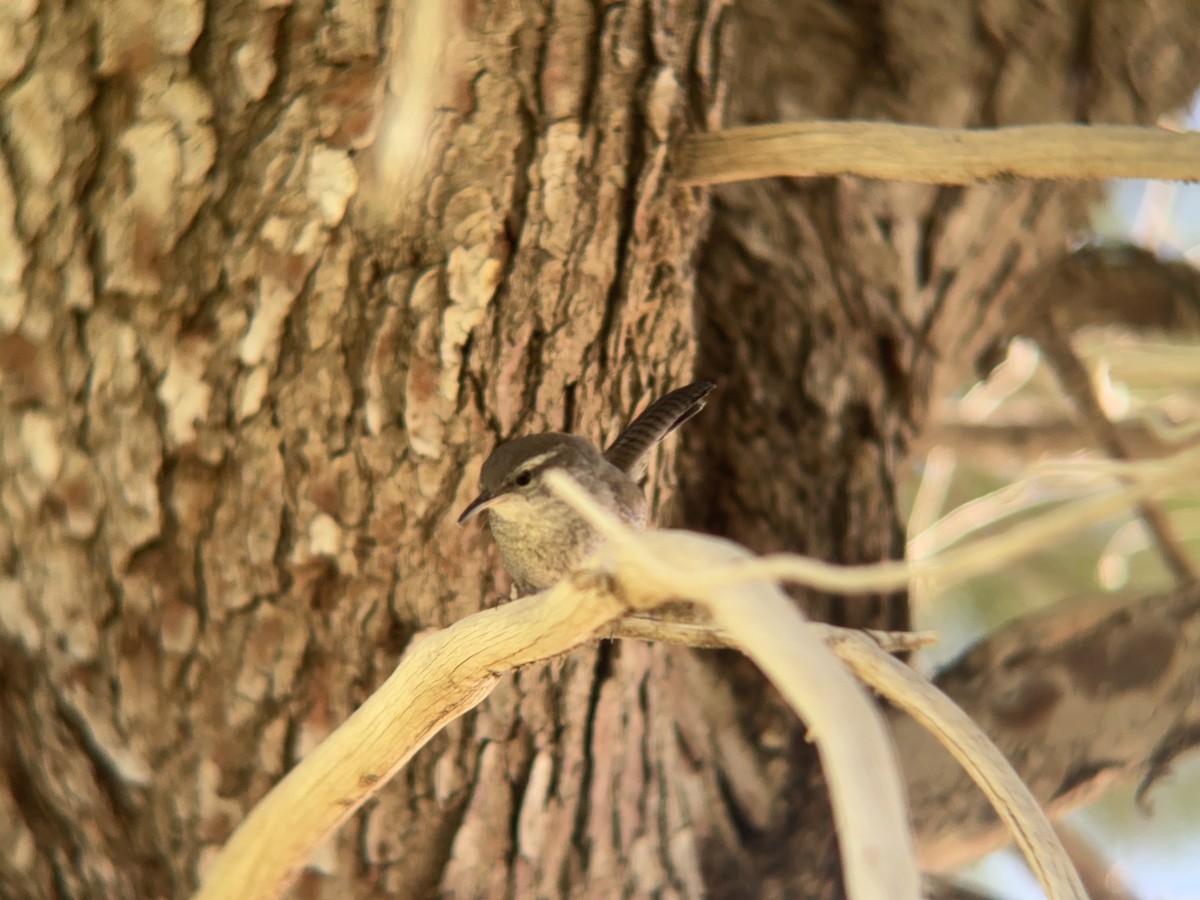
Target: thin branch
688	631
1108	284
938	155
975	752
1015	443
1100	875
1080	696
1077	385
863	652
861	769
981	555
770	638
438	679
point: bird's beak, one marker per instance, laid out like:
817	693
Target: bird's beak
476	506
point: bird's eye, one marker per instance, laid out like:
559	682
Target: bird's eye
524	479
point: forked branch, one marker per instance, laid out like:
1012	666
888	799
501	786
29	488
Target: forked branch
446	674
449	672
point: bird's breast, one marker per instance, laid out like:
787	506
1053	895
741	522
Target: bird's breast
542	542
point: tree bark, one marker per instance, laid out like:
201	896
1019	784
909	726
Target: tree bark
248	375
243	413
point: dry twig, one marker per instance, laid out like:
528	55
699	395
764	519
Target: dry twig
1077	384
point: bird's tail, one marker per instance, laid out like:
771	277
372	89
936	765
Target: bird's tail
628	452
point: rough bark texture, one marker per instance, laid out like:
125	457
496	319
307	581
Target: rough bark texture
239	421
239	416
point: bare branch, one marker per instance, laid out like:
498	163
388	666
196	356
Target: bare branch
1099	874
1111	284
449	672
857	755
1017	443
977	556
441	677
1077	385
938	155
691	631
987	767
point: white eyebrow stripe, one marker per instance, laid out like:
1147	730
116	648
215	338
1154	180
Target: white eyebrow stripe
534	461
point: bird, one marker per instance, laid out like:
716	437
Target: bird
541	538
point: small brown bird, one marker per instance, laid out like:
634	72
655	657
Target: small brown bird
540	537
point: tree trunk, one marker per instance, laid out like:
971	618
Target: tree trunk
254	347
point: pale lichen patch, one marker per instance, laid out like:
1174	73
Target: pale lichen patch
662	103
332	181
254	62
15	619
275	299
472	275
35	129
560	197
13	258
18	37
43	454
143	224
325	537
251	390
177	25
190	109
288	251
183	391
